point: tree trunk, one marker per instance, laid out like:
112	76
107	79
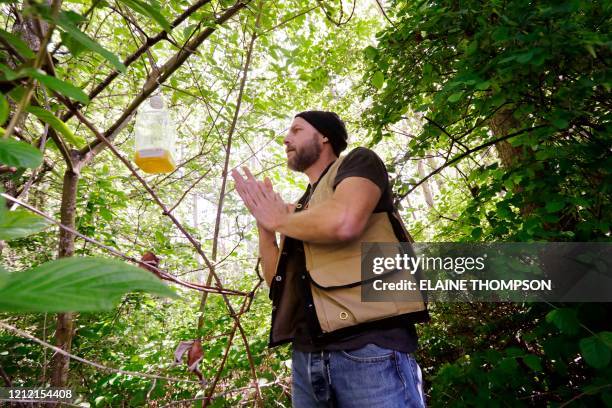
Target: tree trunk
432	166
65	321
29	31
502	124
425	186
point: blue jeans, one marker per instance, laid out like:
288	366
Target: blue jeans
367	377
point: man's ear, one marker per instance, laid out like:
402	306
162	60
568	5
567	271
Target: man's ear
323	137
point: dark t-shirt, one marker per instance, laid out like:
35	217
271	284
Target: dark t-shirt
360	162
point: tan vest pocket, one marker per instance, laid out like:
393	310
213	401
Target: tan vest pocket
343	307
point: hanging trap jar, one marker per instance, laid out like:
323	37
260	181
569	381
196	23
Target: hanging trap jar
154	131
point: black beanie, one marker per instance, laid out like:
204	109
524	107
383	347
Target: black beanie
329	125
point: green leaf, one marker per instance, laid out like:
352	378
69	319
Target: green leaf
455	97
7	73
533	362
370	52
56	124
4	109
378	79
147	10
16	153
500	34
74	17
59	86
606	337
3	276
592	389
99	400
560	123
606	397
554	206
482	86
591	50
595	352
476	233
16	93
20	223
564	319
503	210
188	31
472	47
17	43
65	24
508	59
524	58
75	47
508	366
514	351
78	284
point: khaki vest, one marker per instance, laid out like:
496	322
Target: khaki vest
335	276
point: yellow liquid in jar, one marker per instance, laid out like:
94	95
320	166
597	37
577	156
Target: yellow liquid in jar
154	161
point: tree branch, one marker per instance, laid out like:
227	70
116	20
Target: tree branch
175	221
163	274
164	73
58	350
151	41
465	154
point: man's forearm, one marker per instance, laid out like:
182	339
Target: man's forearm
268	251
323	224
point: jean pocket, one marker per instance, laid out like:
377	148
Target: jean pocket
414	387
369	353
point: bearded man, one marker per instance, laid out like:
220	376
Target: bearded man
346	353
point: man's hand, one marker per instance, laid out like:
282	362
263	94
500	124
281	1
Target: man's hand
261	200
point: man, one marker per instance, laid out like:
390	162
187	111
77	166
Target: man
346	353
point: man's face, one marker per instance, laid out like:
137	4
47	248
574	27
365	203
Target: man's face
303	145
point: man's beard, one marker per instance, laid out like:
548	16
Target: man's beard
306	156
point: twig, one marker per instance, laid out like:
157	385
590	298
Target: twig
213	385
339	22
5	377
58	350
228	148
165	275
282	23
383	12
106	142
151	41
42	51
582	394
42	146
165	72
221	394
467	153
178	202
